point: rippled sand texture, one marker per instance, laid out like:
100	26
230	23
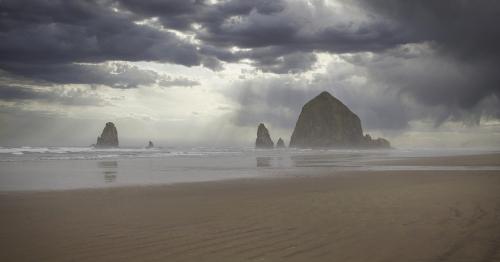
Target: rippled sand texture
363	216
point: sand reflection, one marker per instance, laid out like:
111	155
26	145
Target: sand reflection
109	169
263	161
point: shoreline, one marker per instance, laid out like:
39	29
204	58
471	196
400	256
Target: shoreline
319	175
59	177
489	159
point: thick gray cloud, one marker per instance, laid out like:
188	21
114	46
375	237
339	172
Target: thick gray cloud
273	31
466	28
181	14
48	41
116	75
291	63
82	31
72	97
466	36
92	31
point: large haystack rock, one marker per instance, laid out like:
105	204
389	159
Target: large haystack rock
325	122
263	138
109	136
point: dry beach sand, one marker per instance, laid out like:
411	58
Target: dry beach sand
348	216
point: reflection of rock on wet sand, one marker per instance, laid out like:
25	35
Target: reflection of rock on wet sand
317	160
263	161
301	161
110	169
272	161
109	176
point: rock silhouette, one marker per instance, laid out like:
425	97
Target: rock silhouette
326	122
109	136
263	138
375	143
280	143
150	145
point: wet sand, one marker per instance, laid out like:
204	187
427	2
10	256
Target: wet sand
464	160
348	216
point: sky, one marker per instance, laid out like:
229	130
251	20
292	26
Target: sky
206	73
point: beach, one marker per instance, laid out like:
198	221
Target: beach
352	215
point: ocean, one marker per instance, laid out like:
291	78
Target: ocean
63	168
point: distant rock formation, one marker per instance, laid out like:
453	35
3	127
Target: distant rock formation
263	139
109	136
280	143
326	122
150	145
375	143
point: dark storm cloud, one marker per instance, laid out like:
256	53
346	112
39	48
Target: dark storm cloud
275	33
182	14
443	87
12	93
82	31
467	28
272	30
48	40
464	32
74	97
116	75
91	31
291	63
113	75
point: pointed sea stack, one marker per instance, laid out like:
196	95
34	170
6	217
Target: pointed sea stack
280	143
263	138
109	136
325	122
